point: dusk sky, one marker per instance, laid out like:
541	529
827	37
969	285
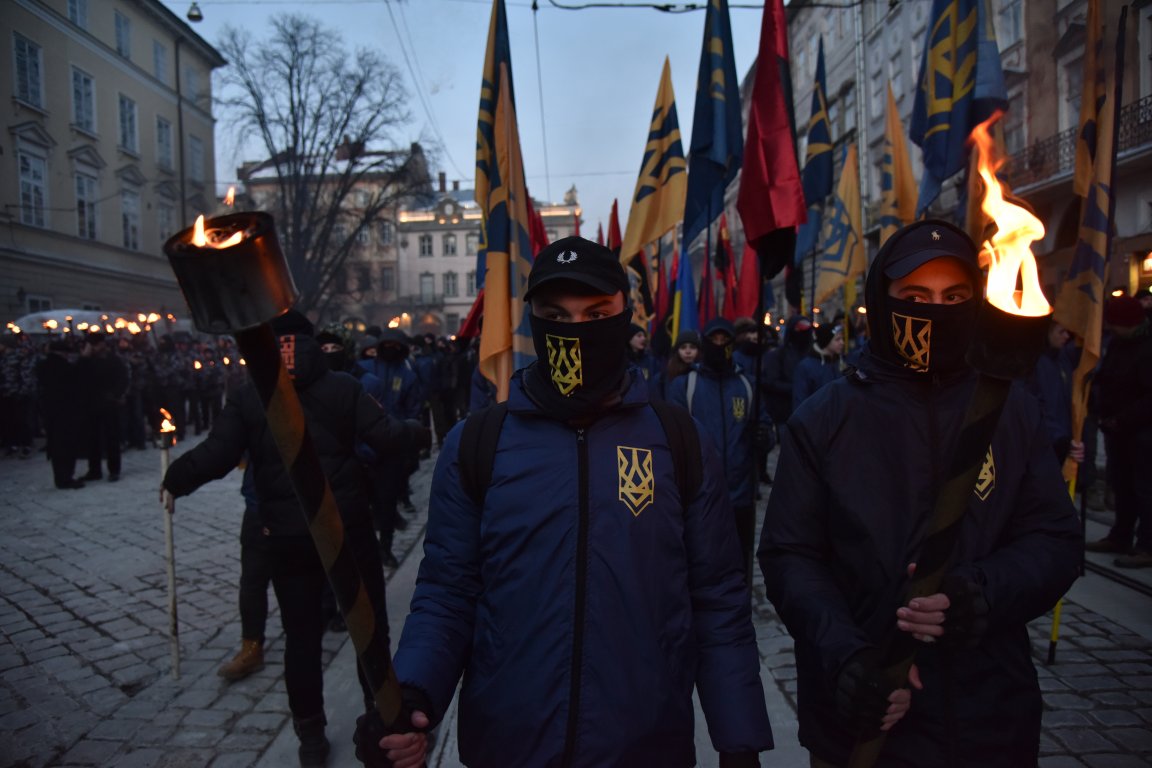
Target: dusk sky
599	69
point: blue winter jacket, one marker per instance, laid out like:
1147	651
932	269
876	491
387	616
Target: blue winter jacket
401	387
722	405
812	373
584	601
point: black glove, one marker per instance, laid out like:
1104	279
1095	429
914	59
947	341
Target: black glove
765	438
966	620
861	693
370	728
739	760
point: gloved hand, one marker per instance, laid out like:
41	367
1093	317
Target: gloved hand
419	436
861	693
370	728
739	760
966	619
765	438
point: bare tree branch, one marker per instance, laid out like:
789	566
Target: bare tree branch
330	124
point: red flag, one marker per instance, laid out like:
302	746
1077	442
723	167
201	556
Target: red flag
615	239
727	266
707	297
576	223
662	297
600	233
470	328
536	231
771	197
747	293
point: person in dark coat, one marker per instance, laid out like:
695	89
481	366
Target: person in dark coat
1124	385
339	413
822	365
106	380
582	599
683	359
780	367
860	466
61	396
1051	384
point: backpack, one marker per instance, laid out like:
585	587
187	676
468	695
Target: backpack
692	387
481	432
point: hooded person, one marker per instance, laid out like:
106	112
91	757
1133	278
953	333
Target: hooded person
860	466
780	367
338	413
720	397
823	364
581	528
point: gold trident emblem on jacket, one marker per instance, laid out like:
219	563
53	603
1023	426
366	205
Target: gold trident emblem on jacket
564	361
637	485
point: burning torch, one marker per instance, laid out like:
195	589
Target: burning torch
167	440
1008	339
235	280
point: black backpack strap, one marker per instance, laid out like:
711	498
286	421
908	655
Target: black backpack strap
684	444
477	450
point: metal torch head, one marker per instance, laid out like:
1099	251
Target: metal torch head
1006	345
232	287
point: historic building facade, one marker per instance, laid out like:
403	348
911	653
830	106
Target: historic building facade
107	150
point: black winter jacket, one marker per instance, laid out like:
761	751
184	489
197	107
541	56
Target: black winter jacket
338	411
859	468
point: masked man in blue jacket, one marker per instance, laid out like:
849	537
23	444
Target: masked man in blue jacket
860	466
582	597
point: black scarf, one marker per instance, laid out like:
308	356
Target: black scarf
579	367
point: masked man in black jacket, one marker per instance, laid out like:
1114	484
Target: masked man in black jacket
339	412
860	467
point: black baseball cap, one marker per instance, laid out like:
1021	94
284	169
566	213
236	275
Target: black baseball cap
923	241
579	260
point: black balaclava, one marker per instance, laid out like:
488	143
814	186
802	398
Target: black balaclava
579	366
921	338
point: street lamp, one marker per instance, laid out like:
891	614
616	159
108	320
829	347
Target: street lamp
194	13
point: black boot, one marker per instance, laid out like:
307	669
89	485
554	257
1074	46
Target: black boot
313	750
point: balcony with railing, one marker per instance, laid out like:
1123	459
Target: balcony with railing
1056	155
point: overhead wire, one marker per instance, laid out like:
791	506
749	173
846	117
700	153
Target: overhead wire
540	85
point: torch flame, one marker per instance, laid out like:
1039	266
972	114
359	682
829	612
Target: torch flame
227	361
166	424
1009	251
197	365
153	317
109	329
13	327
51	324
230	198
212	238
133	328
394	322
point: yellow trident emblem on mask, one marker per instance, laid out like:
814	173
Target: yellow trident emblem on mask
637	485
564	362
913	337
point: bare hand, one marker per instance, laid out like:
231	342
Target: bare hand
1076	451
923	617
408	750
900	700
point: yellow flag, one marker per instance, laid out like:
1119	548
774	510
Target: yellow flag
897	184
843	256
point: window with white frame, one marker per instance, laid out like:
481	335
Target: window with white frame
195	159
160	61
78	13
29	71
165	220
130	218
1009	23
123	35
471	244
83	101
1071	90
386	232
427	287
470	283
387	278
425	245
129	134
451	285
39	303
163	142
449	244
879	100
33	187
86	196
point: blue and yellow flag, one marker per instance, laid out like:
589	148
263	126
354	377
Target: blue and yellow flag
843	257
684	311
1080	303
505	256
961	85
818	163
1091	101
717	148
897	183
